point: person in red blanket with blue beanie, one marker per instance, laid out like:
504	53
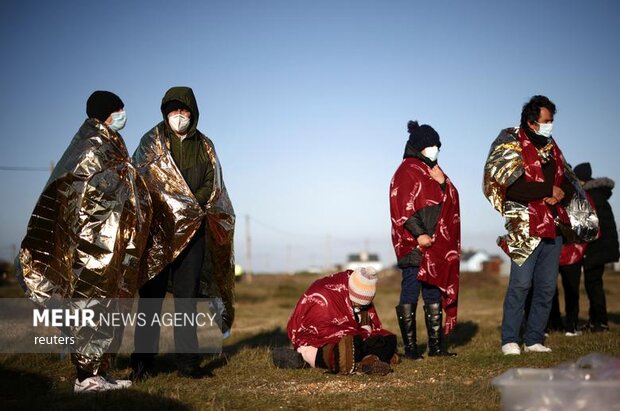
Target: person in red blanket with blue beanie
426	234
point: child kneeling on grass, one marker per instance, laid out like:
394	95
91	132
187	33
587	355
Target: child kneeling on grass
335	326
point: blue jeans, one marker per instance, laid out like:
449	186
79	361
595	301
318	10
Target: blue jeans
410	289
538	272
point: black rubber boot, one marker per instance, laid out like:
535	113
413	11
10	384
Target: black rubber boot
433	317
141	366
406	320
188	365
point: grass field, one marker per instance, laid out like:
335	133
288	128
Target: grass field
243	377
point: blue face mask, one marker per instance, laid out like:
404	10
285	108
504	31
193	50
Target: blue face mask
119	119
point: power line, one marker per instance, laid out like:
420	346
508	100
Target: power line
292	234
311	236
278	230
23	168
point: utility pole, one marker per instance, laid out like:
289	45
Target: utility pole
248	250
288	259
328	253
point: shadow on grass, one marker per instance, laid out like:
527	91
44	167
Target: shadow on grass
463	333
17	387
276	337
27	390
166	363
267	339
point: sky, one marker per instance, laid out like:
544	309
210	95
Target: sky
307	101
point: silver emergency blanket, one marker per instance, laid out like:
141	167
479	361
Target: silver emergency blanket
177	216
87	233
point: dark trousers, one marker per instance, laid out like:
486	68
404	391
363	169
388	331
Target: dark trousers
383	346
184	272
570	283
410	288
593	280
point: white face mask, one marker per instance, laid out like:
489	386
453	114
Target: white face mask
545	129
431	153
179	123
119	119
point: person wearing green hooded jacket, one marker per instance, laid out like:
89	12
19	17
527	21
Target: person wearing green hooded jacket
190	251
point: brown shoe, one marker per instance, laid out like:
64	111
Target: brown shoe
395	359
372	365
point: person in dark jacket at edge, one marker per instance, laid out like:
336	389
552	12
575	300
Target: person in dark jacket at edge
571	262
425	216
184	142
601	251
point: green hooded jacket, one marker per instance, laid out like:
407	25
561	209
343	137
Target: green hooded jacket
189	154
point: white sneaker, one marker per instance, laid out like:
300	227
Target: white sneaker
573	333
536	348
96	384
511	349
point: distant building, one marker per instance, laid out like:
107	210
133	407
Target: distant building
476	261
315	269
239	272
363	259
472	260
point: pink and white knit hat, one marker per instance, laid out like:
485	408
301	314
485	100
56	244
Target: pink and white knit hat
363	285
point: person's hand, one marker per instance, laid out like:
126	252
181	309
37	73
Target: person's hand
558	193
365	319
425	240
438	175
550	200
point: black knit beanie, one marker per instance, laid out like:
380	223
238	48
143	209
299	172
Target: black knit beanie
101	104
422	136
583	171
173	105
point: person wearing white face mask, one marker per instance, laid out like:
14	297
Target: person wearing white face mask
527	180
184	177
424	206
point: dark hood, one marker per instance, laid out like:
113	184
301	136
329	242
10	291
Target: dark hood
583	171
411	152
186	96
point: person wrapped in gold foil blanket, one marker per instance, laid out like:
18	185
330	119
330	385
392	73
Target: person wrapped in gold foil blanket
191	238
87	234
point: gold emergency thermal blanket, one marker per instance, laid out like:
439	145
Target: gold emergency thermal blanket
177	216
503	167
87	233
